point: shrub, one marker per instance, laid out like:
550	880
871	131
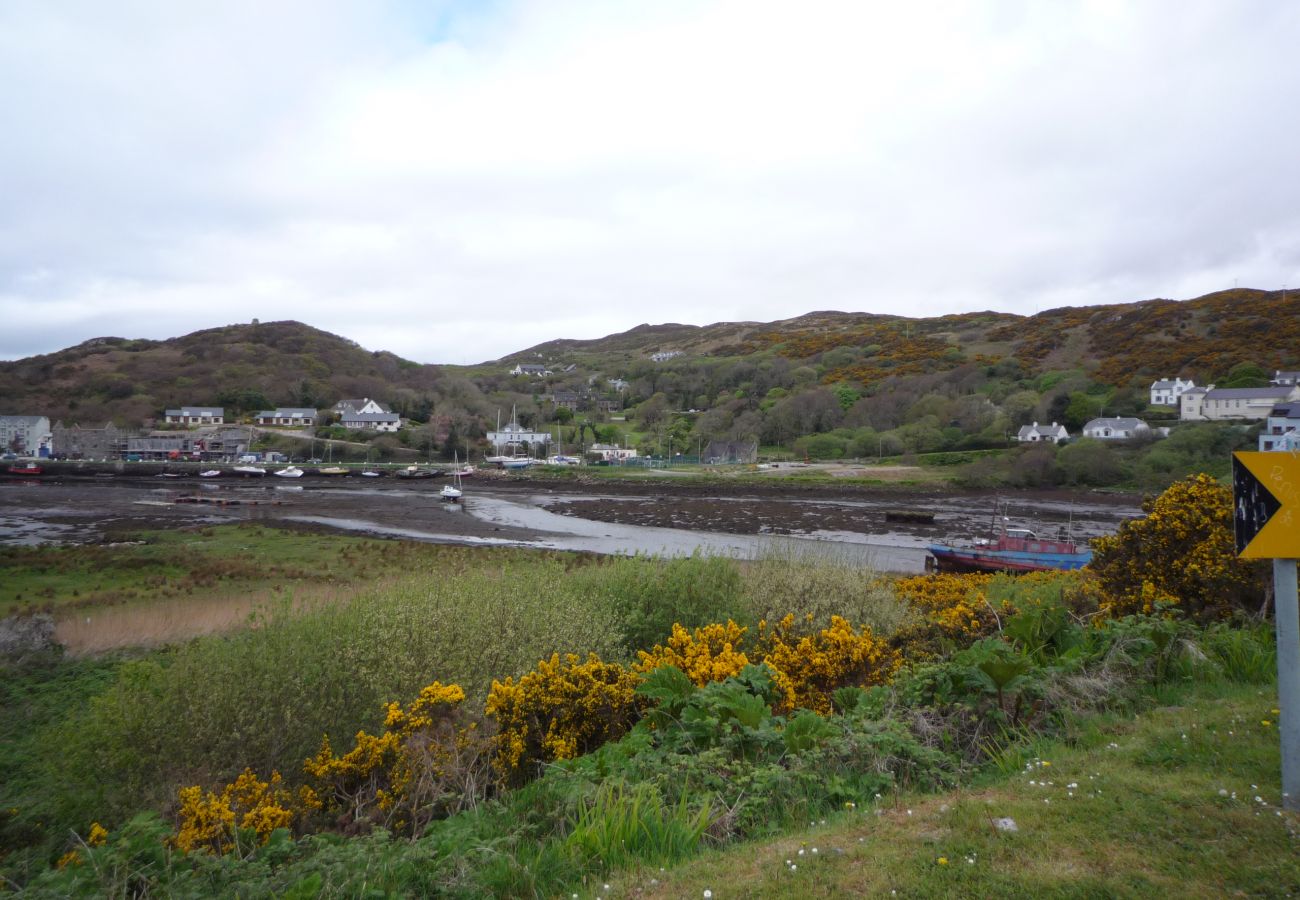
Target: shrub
1180	556
558	711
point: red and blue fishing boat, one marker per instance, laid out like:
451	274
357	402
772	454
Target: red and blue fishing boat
1011	550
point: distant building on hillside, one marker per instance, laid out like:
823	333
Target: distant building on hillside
1039	433
359	405
1285	378
1167	391
529	369
366	421
665	355
1281	428
1220	404
1117	428
286	417
195	415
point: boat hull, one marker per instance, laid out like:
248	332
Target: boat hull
983	559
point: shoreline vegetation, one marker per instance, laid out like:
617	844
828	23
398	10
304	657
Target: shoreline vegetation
523	723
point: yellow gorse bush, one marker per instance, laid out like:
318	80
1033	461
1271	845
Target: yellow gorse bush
809	668
1180	555
560	710
708	654
406	775
209	820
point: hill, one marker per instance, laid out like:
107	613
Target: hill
241	367
983	373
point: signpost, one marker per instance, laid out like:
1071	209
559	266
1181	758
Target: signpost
1266	522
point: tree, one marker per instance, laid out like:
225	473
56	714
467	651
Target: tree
1181	555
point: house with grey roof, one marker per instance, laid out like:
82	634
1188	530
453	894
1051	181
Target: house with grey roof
371	421
1166	391
1282	378
195	415
1281	428
1116	428
1225	404
286	417
26	435
360	405
1032	434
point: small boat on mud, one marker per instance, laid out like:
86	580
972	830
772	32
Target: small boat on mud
24	470
210	473
1011	550
249	471
417	472
452	493
288	472
332	471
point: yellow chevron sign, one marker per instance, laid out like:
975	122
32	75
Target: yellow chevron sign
1266	504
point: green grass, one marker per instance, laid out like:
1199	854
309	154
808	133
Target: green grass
157	565
1164	805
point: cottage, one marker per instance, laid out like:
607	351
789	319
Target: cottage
1219	404
531	370
1281	428
287	417
366	421
1286	378
665	355
570	400
1167	391
195	415
1037	433
1119	428
611	453
26	435
360	405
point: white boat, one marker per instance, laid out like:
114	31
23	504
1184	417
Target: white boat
288	472
210	473
370	473
516	462
248	471
452	493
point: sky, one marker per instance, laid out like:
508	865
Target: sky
458	181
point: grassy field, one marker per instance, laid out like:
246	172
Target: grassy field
1181	801
160	565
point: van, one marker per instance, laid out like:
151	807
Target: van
250	458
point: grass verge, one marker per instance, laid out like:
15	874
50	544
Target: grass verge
1181	801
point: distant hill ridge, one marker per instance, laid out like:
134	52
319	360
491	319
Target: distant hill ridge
292	364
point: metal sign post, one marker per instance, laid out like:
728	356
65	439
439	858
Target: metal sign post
1287	616
1266	519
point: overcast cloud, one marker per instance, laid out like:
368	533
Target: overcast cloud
457	181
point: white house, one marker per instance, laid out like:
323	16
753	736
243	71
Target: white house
1122	428
1167	391
1220	404
26	435
1280	377
360	405
611	452
665	355
196	415
286	416
529	369
1036	433
367	421
1281	428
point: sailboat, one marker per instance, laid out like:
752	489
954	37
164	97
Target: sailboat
452	493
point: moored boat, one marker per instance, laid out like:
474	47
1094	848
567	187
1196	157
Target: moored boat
332	470
249	471
24	469
1012	550
288	472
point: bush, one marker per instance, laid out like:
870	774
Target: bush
1180	556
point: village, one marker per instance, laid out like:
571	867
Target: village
208	434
